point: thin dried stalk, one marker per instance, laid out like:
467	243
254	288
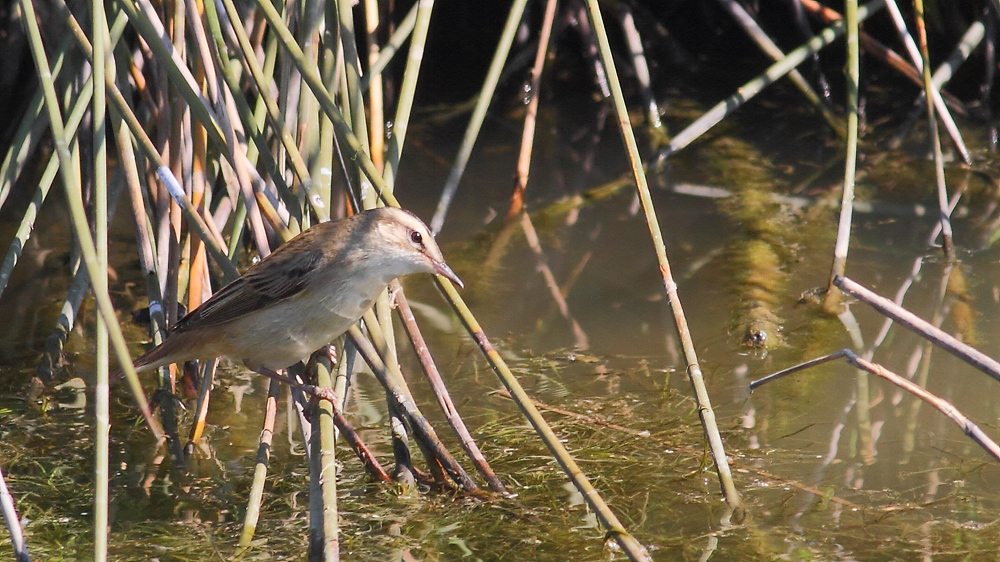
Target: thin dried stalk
935	139
441	392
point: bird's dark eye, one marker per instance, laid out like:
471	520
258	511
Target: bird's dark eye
416	237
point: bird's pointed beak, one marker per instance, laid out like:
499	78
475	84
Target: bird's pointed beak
442	268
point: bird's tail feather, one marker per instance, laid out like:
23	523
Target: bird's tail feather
159	356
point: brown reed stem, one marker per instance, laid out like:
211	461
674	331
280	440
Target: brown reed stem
430	370
421	428
945	407
921	327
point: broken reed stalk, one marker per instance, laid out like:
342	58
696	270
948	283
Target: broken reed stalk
430	370
693	367
831	300
531	113
945	407
935	139
921	327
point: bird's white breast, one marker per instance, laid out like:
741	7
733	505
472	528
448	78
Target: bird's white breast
279	336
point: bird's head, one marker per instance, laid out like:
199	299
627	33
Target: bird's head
406	240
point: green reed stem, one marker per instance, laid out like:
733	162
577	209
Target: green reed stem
260	469
478	114
407	90
771	49
143	232
392	47
102	62
70	177
328	463
693	366
747	91
840	250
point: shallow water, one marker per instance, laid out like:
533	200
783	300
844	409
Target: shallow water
902	482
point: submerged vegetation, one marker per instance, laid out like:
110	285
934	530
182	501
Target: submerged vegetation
186	140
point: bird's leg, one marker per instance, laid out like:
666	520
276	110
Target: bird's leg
372	465
310	389
329	351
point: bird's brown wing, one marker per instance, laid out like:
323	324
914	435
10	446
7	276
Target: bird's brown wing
281	276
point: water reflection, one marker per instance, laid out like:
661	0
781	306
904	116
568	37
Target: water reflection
834	464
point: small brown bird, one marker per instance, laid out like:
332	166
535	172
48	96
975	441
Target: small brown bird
305	294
